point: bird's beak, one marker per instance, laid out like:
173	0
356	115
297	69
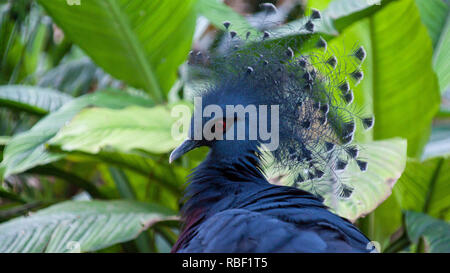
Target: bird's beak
184	147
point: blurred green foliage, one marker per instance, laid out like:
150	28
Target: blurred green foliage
85	97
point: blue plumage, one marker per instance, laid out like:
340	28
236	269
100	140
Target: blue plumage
232	208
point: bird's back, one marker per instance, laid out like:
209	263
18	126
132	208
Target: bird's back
270	219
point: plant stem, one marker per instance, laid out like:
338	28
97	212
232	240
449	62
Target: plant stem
144	242
398	245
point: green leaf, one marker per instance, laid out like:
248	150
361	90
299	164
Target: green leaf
27	149
79	226
96	128
217	13
441	56
386	162
383	223
140	42
31	99
11	196
317	4
439	143
122	183
434	15
70	177
424	187
344	13
126	191
104	135
4	140
400	87
436	233
73	77
168	177
339	15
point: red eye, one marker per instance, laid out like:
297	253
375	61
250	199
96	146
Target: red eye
221	124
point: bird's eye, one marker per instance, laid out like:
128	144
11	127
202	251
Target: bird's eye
224	125
220	125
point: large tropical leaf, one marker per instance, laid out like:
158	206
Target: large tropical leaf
70	177
442	57
79	226
140	42
436	233
104	135
386	160
217	13
4	140
6	195
32	99
150	167
400	87
439	143
22	41
75	77
338	15
434	15
317	4
344	13
27	149
129	129
423	187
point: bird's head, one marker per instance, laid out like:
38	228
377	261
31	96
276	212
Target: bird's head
270	97
232	120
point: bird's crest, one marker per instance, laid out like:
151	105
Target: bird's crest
311	85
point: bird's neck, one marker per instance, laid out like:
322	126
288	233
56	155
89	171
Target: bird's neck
216	179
